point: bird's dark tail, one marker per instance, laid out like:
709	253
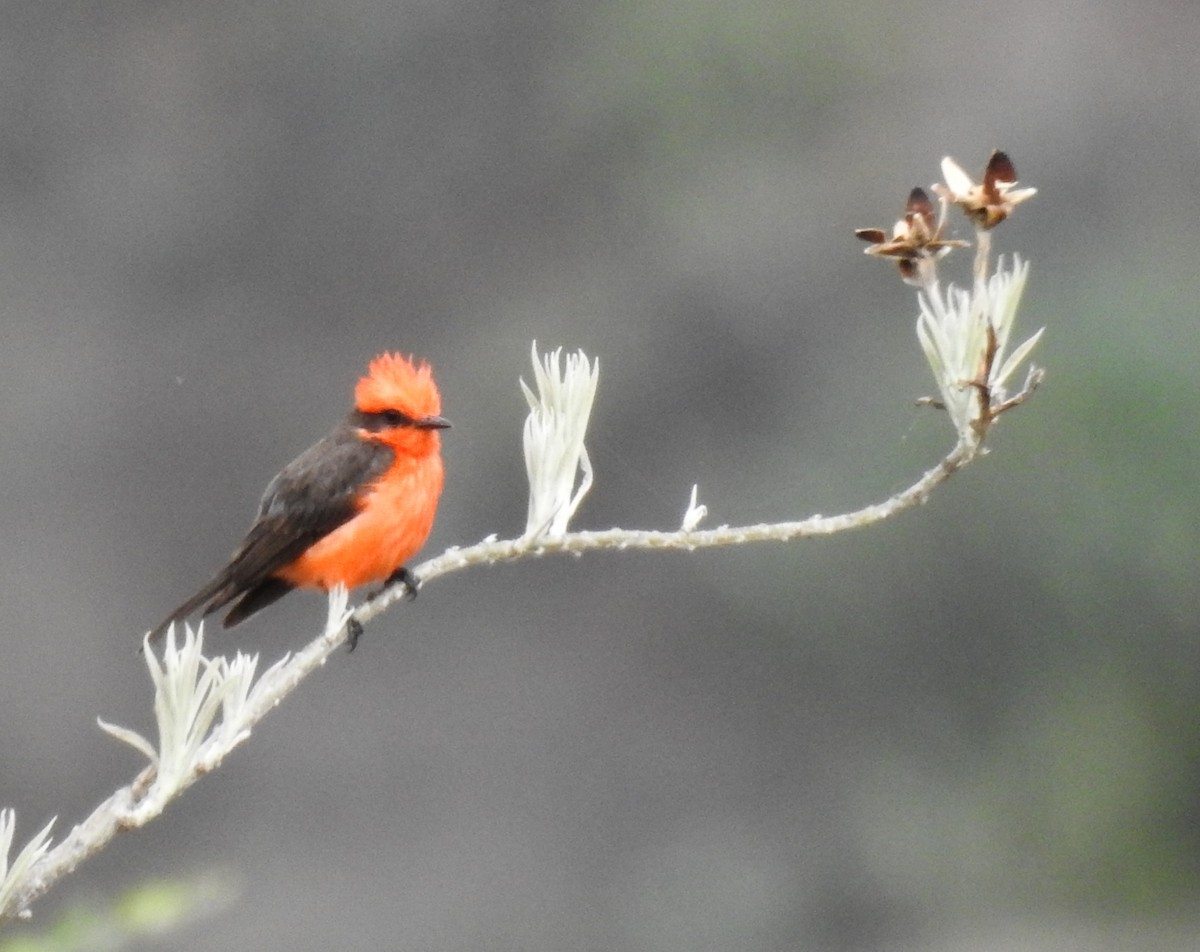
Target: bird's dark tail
263	594
220	592
214	595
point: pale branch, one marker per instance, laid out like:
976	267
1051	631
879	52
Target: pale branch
123	809
492	551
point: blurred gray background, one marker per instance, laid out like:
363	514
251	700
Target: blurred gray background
973	728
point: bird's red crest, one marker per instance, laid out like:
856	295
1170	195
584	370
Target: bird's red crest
396	382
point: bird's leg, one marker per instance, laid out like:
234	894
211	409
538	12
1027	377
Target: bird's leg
411	583
354	630
403	575
410	580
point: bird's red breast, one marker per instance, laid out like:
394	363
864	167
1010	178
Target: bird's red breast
395	516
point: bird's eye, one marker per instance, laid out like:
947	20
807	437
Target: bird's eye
375	421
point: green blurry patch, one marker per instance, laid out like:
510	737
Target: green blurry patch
152	910
1101	790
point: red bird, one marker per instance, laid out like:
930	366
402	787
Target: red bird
351	509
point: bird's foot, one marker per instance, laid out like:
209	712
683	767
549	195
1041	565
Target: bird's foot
354	630
403	576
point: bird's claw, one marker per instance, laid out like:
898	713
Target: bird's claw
354	630
401	576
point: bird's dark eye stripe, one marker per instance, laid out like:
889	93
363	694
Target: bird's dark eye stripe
382	420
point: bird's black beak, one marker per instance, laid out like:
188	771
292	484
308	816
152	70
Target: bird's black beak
432	423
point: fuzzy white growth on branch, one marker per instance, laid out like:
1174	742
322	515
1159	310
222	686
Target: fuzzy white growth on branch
965	335
14	877
694	514
201	710
555	455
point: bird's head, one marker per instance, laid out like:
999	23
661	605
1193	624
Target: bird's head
398	403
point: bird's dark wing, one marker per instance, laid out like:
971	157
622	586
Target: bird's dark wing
307	500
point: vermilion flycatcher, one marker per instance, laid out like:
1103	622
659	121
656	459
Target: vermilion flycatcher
351	509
